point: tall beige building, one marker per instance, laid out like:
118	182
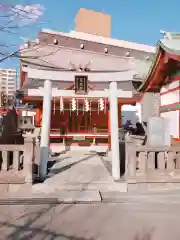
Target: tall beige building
96	23
8	80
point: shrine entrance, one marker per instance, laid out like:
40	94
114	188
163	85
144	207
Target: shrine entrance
104	115
79	122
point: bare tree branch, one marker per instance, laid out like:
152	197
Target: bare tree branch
13	18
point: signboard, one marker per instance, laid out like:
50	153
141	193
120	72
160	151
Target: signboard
158	134
81	84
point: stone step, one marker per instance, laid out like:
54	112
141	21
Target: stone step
57	197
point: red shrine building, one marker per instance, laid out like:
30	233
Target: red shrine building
83	68
164	80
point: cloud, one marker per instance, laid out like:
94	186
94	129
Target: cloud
26	14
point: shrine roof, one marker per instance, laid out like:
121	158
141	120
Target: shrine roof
93	43
170	45
59	57
104	40
34	84
64	58
67	54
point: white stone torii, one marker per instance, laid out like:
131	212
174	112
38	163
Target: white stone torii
114	130
46	114
71	93
113	93
45	130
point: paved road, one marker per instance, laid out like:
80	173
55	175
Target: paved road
131	221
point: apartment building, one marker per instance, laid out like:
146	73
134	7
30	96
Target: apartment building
8	80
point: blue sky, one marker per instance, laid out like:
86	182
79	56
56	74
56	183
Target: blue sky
138	21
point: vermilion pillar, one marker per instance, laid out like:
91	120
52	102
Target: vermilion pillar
38	117
120	115
119	123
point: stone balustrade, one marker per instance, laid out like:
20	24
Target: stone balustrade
145	164
16	162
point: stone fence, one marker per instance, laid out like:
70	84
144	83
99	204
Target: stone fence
145	164
16	162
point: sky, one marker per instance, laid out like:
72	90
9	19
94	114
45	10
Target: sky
136	21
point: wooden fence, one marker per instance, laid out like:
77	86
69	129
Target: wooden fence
145	164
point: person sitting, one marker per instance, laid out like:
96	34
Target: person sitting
139	130
128	126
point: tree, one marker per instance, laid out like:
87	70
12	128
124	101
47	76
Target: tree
14	21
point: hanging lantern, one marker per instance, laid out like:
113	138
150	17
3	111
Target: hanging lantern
101	104
73	104
61	105
87	106
54	106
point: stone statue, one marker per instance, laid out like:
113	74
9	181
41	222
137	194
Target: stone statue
10	134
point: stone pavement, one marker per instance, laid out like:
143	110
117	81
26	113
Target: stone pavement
90	222
91	197
74	176
79	170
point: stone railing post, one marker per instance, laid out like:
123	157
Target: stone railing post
37	151
130	158
29	143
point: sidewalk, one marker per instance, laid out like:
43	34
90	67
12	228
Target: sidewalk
126	221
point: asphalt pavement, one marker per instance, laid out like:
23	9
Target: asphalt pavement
100	221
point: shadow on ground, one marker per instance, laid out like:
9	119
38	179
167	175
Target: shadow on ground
36	223
50	164
122	156
28	230
55	171
148	235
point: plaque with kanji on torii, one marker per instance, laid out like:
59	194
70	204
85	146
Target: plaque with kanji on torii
81	84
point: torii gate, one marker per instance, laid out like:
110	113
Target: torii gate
113	93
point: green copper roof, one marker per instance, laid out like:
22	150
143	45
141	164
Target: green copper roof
170	44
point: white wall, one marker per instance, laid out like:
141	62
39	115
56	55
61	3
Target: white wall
170	86
171	97
130	112
139	111
173	119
